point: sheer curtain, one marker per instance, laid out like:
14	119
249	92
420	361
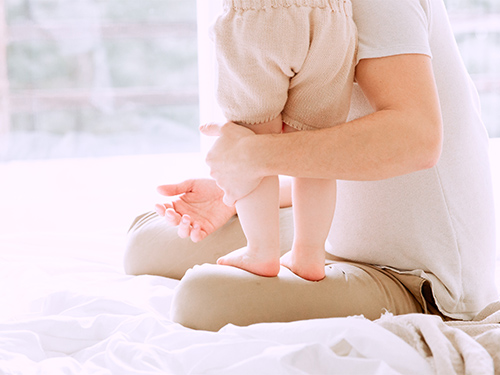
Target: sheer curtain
4	86
209	109
476	25
98	78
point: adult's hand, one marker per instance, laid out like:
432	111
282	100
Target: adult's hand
197	208
230	163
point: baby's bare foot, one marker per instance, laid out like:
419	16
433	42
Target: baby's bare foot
305	267
251	261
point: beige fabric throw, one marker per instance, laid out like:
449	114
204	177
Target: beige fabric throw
455	347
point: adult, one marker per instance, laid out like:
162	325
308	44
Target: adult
414	226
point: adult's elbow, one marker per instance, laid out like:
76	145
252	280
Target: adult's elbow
434	155
431	146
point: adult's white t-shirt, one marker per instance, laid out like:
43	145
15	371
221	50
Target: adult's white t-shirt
438	223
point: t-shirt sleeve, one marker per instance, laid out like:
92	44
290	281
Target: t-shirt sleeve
392	27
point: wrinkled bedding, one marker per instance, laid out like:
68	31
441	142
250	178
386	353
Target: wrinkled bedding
96	320
68	308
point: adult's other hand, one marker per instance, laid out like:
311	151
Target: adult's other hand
197	208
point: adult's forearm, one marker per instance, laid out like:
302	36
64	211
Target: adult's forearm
403	135
375	147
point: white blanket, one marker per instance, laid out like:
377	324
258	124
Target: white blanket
66	306
91	319
79	317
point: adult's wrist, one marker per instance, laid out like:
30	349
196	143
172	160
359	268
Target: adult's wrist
256	151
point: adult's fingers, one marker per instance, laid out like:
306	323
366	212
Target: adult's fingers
168	212
175	189
197	234
184	229
228	200
172	218
211	129
160	209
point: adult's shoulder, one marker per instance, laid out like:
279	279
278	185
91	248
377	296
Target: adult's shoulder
390	6
392	27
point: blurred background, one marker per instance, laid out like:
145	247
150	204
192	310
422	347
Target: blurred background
99	77
91	78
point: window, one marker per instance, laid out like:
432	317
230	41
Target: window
476	24
99	77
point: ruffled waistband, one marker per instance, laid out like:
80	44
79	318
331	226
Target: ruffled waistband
344	6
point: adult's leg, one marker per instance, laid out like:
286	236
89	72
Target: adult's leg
154	248
209	296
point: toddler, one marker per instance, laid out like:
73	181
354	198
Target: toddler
284	66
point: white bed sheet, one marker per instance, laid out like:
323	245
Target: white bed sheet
68	308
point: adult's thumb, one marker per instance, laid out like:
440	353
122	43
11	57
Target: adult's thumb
175	189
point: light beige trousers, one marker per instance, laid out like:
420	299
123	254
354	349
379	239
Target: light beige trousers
210	296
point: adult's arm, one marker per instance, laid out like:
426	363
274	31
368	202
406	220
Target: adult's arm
402	135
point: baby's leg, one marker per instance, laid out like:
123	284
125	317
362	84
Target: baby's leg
259	216
313	208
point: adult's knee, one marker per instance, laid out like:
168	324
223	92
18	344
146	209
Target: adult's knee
154	248
211	296
139	241
190	306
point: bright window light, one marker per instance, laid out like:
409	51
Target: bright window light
98	78
119	77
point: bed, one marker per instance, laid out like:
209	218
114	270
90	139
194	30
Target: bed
67	306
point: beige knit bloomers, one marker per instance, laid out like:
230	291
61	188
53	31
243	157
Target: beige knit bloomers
289	57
